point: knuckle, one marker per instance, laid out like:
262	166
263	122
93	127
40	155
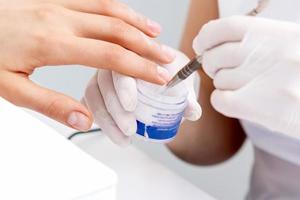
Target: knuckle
149	70
40	43
43	44
107	6
48	11
118	27
116	55
52	108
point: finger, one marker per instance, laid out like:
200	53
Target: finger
55	105
115	9
225	103
249	66
230	79
126	90
125	120
103	119
119	32
180	60
228	55
193	110
220	31
101	54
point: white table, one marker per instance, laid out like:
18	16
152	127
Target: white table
38	163
140	177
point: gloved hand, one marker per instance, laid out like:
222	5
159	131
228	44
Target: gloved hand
112	98
255	66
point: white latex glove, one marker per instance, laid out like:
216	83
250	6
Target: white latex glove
112	98
256	70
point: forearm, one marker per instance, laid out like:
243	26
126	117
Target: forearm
213	138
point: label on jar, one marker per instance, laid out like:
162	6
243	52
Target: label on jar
162	127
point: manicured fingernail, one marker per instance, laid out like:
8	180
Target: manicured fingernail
169	52
154	26
163	73
79	121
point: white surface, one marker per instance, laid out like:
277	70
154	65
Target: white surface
38	163
140	177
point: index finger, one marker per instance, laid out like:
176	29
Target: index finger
101	54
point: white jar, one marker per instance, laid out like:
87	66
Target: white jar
159	113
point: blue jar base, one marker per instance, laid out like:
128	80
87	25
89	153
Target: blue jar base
145	139
161	134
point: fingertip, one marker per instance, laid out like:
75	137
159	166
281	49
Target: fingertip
216	32
154	27
163	74
133	126
197	47
193	111
169	53
79	121
222	101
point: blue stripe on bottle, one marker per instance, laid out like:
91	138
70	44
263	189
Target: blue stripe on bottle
157	133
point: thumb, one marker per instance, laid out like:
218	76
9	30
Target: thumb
50	103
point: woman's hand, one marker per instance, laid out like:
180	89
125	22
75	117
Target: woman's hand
97	33
112	98
255	64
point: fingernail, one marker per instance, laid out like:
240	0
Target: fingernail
163	74
169	52
154	26
79	121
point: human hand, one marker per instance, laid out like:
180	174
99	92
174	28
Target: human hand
112	98
97	33
255	65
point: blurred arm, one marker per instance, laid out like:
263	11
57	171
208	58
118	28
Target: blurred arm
214	138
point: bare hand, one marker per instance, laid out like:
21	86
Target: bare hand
97	33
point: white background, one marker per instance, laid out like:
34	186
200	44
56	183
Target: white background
225	181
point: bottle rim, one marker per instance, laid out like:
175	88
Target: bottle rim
161	98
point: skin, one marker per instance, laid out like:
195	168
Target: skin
214	138
97	33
